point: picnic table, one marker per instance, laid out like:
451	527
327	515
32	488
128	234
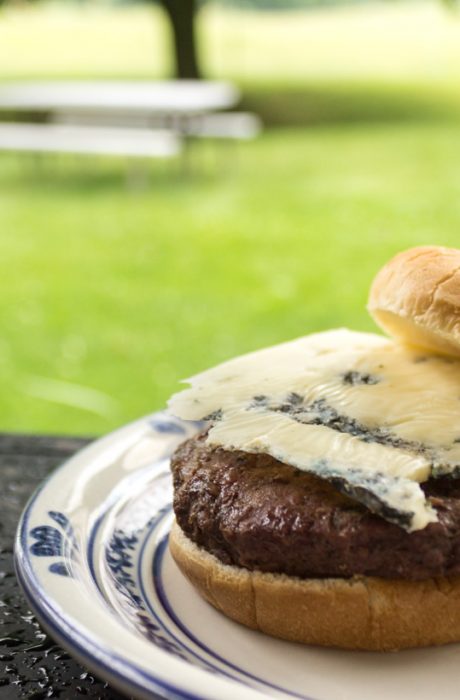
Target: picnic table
135	119
32	664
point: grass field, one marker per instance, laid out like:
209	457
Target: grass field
111	294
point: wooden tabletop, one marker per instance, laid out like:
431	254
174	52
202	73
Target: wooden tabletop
31	665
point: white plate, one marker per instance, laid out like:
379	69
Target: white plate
92	557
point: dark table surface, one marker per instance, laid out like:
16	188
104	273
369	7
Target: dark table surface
31	664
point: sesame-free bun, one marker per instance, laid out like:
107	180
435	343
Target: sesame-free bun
415	297
358	613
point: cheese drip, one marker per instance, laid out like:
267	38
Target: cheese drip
374	417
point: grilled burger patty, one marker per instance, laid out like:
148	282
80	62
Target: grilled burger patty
253	511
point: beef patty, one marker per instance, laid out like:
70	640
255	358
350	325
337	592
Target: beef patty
253	511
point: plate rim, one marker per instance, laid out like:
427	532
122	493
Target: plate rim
94	652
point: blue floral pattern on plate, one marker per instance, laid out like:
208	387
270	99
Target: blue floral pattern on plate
58	544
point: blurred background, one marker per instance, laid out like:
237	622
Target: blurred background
121	276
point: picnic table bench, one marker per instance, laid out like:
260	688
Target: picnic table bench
43	138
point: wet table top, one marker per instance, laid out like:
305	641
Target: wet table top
31	665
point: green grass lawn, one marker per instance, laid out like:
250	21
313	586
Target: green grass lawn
110	295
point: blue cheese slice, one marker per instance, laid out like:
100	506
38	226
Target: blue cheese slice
375	418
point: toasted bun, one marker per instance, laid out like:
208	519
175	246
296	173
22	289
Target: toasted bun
416	298
359	613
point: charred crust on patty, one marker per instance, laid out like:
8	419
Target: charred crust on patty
253	511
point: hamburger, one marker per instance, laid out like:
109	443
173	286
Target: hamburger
321	502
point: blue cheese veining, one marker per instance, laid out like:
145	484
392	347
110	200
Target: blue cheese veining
375	418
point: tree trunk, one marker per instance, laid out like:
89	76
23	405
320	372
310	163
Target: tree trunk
182	15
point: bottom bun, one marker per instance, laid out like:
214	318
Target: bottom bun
359	613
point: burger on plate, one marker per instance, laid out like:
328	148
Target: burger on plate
321	503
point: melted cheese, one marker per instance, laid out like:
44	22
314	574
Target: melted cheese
374	417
